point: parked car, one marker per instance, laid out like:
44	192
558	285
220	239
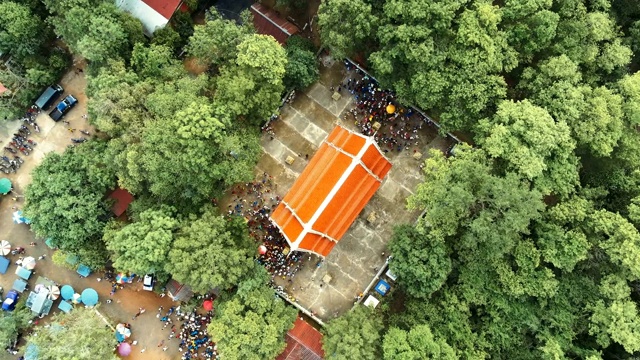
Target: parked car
147	282
63	107
9	303
49	96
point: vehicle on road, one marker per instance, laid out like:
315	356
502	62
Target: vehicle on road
9	303
49	96
147	282
63	107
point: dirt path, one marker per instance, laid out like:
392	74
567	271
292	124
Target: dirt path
146	329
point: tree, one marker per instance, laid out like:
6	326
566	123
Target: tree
118	98
344	38
455	71
210	252
66	197
214	43
532	145
420	261
252	87
155	62
616	317
21	32
12	323
354	335
95	29
168	37
252	323
142	246
419	343
302	66
190	141
80	334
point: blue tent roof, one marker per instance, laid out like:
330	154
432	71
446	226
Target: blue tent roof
23	273
89	297
50	243
31	353
19	285
382	287
84	270
72	259
66	292
65	306
4	264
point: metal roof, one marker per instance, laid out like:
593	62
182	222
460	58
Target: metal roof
268	22
328	196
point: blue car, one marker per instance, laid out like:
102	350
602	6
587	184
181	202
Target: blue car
9	303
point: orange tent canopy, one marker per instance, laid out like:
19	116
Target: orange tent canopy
331	192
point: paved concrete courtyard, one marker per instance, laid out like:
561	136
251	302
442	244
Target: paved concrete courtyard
354	261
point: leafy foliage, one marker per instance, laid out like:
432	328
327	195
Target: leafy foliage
66	197
80	334
142	246
355	335
302	66
12	323
421	272
211	251
252	323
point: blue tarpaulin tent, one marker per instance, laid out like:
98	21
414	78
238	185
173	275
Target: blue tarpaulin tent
66	292
23	273
71	259
4	264
50	243
83	270
19	285
382	287
65	306
31	353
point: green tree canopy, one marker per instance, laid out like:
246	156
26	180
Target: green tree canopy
354	335
66	197
211	251
302	66
14	322
80	334
252	323
252	87
215	42
532	145
142	246
417	344
346	37
422	271
21	34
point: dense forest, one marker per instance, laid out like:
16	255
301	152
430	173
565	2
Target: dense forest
529	245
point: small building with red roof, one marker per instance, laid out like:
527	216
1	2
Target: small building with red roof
122	200
154	14
304	342
268	22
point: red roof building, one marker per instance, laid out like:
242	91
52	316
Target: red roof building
154	14
123	198
268	22
325	200
304	342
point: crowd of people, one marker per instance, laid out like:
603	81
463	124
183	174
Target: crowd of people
194	341
255	201
398	126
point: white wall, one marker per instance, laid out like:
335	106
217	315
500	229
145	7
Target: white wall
151	20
